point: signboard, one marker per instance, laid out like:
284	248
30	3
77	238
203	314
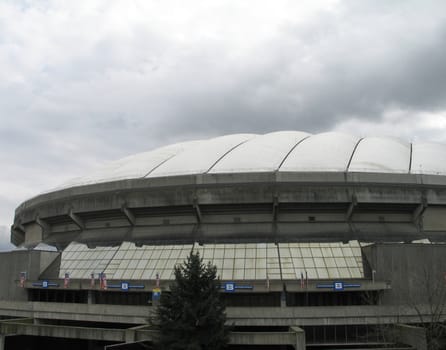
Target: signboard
338	286
45	284
125	286
230	287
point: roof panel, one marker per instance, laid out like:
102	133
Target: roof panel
428	158
381	154
131	167
262	153
199	158
329	151
295	150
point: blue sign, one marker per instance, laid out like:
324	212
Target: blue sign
338	286
230	287
45	284
125	286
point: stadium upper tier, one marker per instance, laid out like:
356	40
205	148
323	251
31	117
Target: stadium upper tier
284	151
286	186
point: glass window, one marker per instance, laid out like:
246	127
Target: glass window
306	252
261	273
239	253
320	273
228	264
218	253
284	252
239	274
288	276
226	274
340	262
142	264
249	263
330	262
308	262
261	253
344	272
333	273
316	252
250	274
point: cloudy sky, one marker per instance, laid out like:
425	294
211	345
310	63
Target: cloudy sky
84	82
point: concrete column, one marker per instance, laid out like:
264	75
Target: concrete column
283	299
300	338
129	336
2	341
90	297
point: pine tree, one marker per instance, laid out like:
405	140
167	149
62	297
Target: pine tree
192	316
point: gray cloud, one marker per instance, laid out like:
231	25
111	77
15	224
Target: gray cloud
86	82
4	240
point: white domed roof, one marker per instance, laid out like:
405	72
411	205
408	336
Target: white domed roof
284	151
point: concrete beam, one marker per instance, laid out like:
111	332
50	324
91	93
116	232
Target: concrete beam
419	210
239	316
198	214
351	208
262	338
128	214
275	208
46	228
70	332
76	219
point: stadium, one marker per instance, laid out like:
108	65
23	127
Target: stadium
324	241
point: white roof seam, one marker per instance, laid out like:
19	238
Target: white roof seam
291	150
353	152
157	166
227	152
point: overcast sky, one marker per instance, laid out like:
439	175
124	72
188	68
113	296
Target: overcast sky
84	82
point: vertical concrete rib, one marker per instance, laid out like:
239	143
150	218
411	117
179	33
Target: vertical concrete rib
227	152
291	150
280	261
353	152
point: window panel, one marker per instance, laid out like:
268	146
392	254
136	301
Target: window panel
306	252
319	273
226	274
228	264
239	274
308	262
344	272
340	262
218	253
250	274
333	273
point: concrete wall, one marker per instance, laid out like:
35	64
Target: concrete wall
411	335
12	263
415	271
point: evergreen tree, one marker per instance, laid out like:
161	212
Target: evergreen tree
192	316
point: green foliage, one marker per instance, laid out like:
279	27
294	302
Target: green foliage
192	315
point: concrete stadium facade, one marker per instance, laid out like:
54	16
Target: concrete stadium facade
316	238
